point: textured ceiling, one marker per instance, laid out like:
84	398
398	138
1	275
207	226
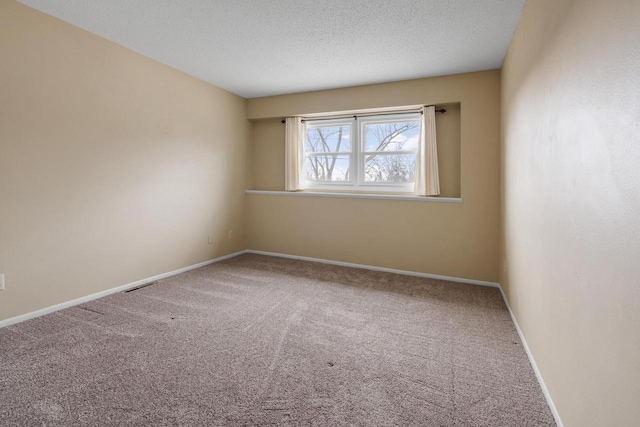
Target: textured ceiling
268	47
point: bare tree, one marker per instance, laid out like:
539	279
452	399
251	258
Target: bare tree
380	167
380	164
391	168
323	166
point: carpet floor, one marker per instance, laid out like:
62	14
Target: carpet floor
258	340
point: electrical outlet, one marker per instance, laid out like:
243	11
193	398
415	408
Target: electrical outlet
210	239
230	234
1	281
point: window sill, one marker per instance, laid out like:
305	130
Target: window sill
355	196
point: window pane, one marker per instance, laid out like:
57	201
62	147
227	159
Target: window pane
328	139
403	136
390	168
327	168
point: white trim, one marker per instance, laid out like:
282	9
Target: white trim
416	108
355	196
371	267
543	386
82	300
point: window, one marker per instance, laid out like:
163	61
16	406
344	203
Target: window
364	153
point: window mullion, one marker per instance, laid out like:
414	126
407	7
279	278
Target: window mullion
375	153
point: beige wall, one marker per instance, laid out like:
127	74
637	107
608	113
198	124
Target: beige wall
571	202
113	167
459	240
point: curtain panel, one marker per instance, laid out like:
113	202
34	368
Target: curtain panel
427	181
294	135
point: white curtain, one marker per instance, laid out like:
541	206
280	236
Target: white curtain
294	134
427	182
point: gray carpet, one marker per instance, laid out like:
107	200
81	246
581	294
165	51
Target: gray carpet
259	340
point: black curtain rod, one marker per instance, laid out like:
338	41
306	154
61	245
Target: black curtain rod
355	116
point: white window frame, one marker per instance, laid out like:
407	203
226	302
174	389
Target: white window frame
356	166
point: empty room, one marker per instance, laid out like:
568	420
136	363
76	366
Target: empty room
362	213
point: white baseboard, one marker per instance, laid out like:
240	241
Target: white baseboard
543	386
82	300
371	267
